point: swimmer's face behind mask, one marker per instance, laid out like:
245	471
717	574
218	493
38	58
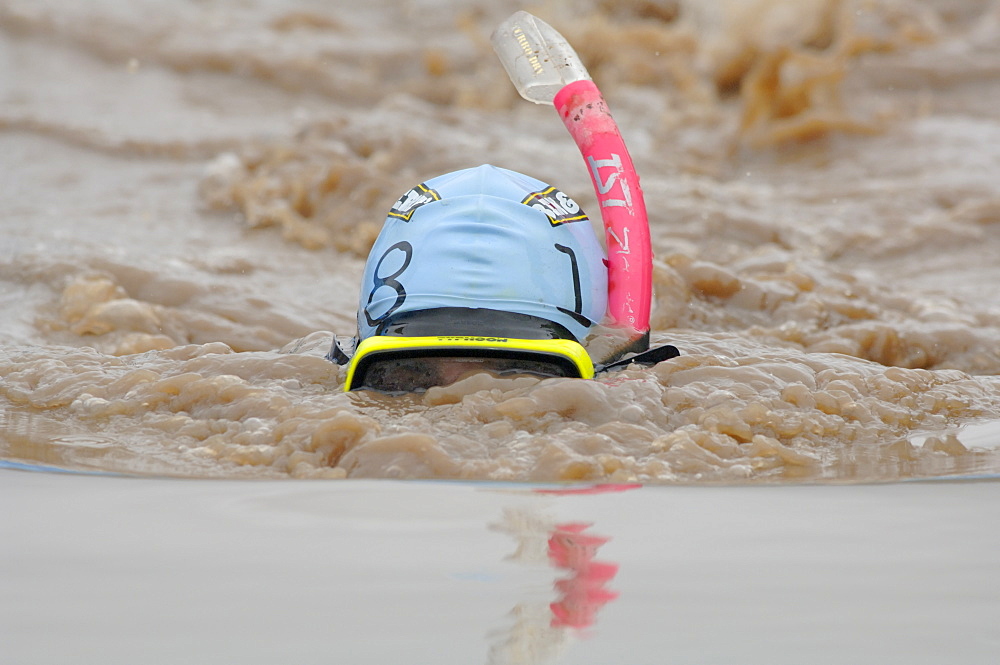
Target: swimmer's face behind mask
417	374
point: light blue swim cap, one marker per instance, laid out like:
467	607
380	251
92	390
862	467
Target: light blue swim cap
485	238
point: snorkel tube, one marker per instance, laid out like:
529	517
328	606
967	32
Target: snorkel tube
546	70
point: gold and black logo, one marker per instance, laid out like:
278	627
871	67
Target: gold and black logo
408	203
557	206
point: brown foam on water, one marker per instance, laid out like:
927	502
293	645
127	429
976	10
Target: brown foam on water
821	310
317	197
120	309
727	410
331	185
831	289
791	76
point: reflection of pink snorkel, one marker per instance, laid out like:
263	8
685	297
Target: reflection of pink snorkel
545	69
583	584
585	591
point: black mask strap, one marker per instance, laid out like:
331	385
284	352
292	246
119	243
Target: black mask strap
342	350
341	354
646	358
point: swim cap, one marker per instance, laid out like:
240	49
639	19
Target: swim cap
485	238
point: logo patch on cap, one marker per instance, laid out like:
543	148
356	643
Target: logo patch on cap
557	206
408	203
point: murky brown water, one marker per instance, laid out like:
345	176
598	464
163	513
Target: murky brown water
190	189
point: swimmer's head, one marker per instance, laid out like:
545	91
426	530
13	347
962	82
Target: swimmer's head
477	256
490	239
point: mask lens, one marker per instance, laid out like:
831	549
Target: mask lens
395	374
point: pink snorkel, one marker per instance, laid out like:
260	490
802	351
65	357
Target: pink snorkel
546	70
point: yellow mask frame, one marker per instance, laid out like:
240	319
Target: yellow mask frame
568	354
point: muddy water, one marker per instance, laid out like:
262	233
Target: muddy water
190	190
